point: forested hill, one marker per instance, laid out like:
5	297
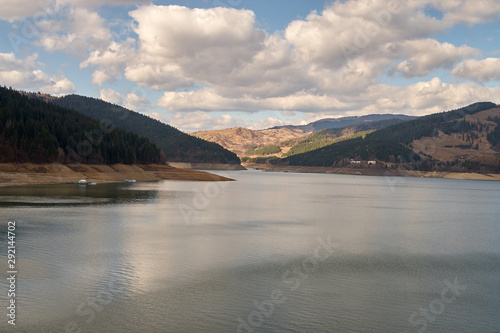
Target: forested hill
428	126
177	146
462	139
32	130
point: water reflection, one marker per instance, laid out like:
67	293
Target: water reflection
60	195
398	243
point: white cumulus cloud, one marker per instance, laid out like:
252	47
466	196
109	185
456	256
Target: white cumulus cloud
137	102
32	9
75	31
27	74
483	71
111	96
180	46
426	55
470	12
110	61
425	97
346	30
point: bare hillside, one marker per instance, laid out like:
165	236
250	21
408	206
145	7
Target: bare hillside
239	140
458	146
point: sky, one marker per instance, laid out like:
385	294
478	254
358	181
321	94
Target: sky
214	64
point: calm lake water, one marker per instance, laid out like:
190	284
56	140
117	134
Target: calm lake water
271	252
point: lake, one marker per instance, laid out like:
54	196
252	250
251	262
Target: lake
270	252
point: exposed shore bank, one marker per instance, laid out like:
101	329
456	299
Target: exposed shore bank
14	174
374	171
206	166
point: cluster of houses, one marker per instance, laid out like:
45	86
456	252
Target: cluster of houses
363	162
359	163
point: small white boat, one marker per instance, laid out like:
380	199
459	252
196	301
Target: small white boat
91	183
129	180
82	182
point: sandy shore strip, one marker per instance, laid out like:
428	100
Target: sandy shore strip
375	171
15	174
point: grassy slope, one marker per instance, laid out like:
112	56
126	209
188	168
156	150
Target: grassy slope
320	139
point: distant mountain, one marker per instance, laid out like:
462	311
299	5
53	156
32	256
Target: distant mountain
177	146
466	139
344	122
32	130
289	140
328	136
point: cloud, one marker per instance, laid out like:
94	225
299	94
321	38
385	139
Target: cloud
137	102
469	12
180	46
208	100
198	121
346	30
11	10
15	10
160	76
111	96
304	69
177	32
183	48
203	100
425	97
110	61
26	74
91	3
274	71
133	100
483	71
216	59
58	85
420	98
75	31
426	55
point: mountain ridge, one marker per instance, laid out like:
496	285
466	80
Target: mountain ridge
177	146
404	144
327	123
32	130
292	139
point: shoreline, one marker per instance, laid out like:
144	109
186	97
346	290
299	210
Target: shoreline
19	174
206	166
374	171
